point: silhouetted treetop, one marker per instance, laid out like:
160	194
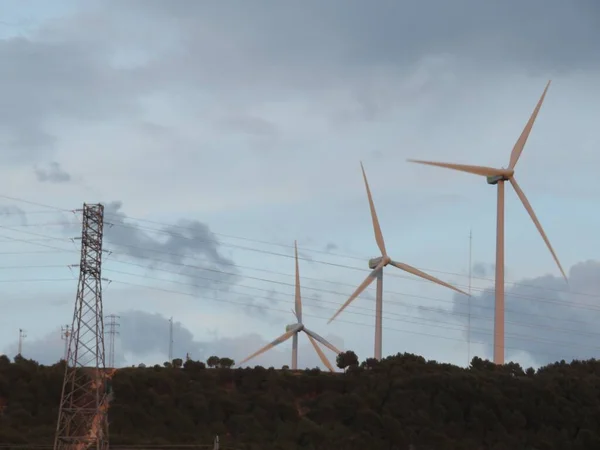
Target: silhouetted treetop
400	402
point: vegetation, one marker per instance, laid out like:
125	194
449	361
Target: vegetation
403	402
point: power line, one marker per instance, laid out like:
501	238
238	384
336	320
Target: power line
345	266
342	294
387	314
455	328
350	267
267	308
337	293
542	299
304	249
428	321
290	256
289	246
414	279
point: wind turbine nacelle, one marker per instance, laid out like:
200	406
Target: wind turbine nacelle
374	262
291	327
496	178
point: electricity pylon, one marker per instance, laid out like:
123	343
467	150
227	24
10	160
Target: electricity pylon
82	417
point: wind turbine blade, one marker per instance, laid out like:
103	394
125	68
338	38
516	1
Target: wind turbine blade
537	223
520	144
284	337
419	273
322	356
322	340
298	298
475	170
370	278
376	227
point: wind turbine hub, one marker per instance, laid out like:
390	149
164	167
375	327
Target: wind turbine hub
374	262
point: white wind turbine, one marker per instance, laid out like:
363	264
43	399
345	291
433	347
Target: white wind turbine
294	329
498	177
377	264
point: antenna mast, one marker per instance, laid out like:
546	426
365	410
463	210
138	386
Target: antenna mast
469	313
171	340
22	336
82	415
112	332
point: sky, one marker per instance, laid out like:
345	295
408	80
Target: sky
218	133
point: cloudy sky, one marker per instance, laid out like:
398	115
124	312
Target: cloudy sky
217	133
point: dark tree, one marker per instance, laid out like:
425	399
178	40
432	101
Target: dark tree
192	365
346	359
213	361
177	363
370	363
226	363
404	402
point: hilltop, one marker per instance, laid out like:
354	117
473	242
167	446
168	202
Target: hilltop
401	401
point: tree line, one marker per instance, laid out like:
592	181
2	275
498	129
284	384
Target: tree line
402	402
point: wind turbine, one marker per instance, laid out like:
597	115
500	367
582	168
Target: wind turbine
498	177
377	264
292	331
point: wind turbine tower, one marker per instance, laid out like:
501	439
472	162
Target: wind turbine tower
377	265
292	331
497	177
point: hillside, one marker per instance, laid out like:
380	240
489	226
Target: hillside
400	401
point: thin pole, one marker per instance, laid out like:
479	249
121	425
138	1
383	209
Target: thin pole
469	314
171	339
22	335
65	333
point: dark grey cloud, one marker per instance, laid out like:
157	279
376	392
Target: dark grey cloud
100	61
267	307
254	126
544	317
145	335
52	173
330	247
188	251
13	212
315	42
50	75
481	269
47	350
188	248
148	334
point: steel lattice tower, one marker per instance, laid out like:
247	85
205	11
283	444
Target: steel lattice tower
82	417
112	332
